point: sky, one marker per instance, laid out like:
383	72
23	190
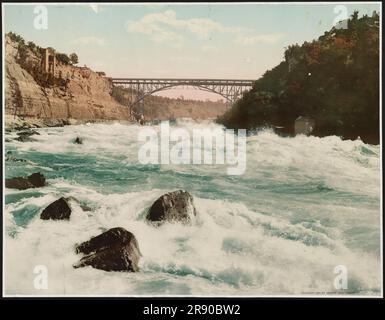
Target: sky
233	41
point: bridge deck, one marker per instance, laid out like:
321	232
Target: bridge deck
172	81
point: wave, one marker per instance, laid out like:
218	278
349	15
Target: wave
304	205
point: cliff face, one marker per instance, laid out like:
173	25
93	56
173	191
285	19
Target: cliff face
70	92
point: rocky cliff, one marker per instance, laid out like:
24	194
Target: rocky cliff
70	92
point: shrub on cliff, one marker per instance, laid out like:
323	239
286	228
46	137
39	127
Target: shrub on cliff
74	58
15	37
63	58
34	48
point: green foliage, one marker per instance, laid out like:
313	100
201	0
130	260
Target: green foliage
24	47
74	58
63	58
334	80
15	37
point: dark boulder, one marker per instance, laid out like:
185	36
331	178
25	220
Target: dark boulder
172	207
57	210
85	207
78	140
114	250
35	180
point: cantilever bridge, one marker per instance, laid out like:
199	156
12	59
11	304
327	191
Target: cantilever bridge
230	89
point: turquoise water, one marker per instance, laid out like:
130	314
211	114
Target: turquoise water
303	206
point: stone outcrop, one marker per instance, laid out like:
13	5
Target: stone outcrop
57	210
25	136
35	180
114	250
177	206
73	93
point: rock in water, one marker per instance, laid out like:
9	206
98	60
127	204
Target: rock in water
35	180
114	250
78	140
173	206
57	210
28	132
25	138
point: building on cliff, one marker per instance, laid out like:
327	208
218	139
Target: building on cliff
48	61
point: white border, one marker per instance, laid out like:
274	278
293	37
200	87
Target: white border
320	295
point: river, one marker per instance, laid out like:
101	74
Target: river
303	206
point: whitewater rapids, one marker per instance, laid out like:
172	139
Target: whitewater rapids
303	206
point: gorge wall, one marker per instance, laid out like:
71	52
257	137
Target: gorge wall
70	92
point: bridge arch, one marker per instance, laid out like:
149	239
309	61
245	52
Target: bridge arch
165	88
230	89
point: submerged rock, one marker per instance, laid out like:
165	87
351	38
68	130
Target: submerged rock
85	207
172	207
78	140
114	250
9	157
57	210
25	138
25	135
28	132
35	180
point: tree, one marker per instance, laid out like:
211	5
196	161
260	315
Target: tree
74	58
63	58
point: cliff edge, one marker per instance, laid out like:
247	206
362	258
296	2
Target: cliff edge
39	85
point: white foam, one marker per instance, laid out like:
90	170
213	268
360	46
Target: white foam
266	242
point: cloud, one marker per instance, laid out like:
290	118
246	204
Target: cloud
263	38
89	40
165	26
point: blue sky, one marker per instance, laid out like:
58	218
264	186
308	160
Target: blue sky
213	41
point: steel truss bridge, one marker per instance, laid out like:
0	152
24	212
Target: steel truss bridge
140	88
